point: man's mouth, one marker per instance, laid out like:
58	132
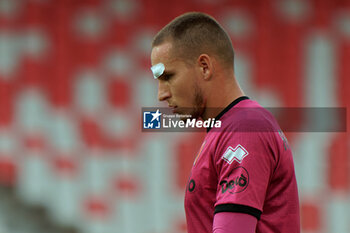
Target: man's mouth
173	108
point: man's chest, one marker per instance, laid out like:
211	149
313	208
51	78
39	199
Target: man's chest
202	182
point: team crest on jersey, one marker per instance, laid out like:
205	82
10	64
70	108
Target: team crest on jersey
236	154
284	139
199	153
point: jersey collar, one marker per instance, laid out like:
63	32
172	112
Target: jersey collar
231	105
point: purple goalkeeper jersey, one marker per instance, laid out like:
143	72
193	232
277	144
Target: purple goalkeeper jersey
246	166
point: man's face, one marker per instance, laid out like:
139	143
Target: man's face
178	85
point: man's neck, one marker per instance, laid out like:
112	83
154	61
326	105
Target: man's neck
221	97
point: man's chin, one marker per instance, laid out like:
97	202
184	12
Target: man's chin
185	117
186	113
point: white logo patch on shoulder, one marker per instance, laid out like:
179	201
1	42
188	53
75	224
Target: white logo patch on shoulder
236	154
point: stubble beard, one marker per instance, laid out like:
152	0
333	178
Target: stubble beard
198	105
197	109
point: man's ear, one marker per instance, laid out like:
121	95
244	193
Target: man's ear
205	64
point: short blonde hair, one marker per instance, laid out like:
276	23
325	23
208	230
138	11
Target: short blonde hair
195	33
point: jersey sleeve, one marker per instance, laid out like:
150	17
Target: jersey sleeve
245	161
242	223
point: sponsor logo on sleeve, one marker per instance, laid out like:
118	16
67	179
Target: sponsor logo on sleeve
236	154
237	182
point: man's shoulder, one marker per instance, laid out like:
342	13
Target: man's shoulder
251	118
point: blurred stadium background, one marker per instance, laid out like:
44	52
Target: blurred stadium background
74	75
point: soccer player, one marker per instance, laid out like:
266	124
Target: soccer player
243	178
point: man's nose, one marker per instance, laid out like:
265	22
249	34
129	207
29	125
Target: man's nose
163	91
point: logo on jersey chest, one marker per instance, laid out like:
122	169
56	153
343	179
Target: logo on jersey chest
237	182
191	185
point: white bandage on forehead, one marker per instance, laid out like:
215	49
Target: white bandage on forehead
158	70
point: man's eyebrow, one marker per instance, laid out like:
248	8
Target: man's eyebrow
166	73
